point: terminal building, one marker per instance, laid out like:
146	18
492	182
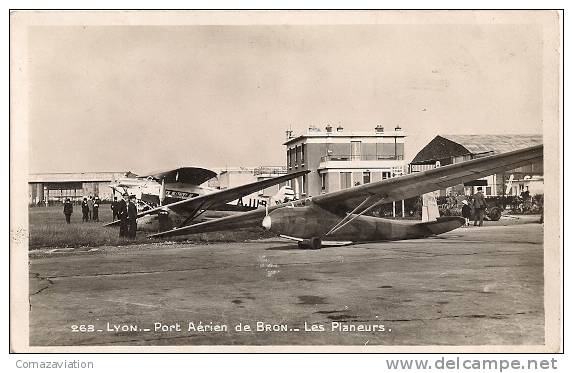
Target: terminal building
340	159
448	149
230	177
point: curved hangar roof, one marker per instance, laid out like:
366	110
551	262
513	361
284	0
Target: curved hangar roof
445	146
477	144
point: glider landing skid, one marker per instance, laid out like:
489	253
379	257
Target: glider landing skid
307	244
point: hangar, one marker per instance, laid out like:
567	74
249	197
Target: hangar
449	149
46	188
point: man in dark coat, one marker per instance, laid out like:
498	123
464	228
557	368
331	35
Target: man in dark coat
131	217
164	222
96	208
90	207
85	209
466	212
122	215
114	205
479	207
68	210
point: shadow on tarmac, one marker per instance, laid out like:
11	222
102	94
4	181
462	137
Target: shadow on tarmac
285	248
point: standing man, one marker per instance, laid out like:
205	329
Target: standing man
68	210
85	209
122	215
91	207
466	212
96	208
114	205
479	207
164	222
131	217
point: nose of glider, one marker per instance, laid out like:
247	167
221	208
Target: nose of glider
267	222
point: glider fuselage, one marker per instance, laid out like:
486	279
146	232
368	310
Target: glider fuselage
313	221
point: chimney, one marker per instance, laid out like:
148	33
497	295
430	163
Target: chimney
379	129
288	134
339	128
328	128
398	128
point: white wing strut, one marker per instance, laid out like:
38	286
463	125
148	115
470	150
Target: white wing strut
348	218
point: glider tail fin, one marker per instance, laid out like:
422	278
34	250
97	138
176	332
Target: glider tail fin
430	210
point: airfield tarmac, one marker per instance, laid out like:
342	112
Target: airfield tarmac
472	286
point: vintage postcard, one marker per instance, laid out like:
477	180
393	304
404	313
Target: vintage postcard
286	181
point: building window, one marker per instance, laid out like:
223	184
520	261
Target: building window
488	191
461	158
303	185
386	175
296	156
302	154
365	177
323	181
345	180
289	165
355	150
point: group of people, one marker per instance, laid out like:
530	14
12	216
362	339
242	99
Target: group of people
125	210
90	209
478	205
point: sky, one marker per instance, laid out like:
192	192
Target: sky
144	98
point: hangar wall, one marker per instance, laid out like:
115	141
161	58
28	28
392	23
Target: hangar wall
449	149
46	188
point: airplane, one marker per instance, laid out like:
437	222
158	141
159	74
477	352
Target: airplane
161	193
170	186
339	218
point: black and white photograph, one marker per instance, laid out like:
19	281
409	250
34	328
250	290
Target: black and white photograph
286	181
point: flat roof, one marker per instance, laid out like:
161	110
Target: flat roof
323	134
68	177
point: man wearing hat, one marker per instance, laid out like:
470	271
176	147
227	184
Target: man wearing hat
122	215
466	212
479	207
131	217
68	210
114	209
97	202
85	209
